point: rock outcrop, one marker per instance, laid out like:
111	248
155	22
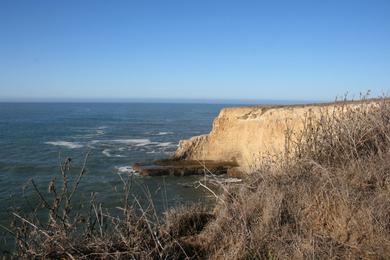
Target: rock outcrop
183	167
247	135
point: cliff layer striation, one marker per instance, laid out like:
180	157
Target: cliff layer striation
248	135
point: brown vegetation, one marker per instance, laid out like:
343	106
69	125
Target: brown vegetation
330	199
327	197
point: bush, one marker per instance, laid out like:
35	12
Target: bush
330	199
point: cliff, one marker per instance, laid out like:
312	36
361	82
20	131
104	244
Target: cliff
247	134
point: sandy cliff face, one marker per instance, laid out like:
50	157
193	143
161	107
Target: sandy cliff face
247	134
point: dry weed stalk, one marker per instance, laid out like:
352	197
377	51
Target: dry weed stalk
137	232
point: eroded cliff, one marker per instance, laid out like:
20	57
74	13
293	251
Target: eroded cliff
247	135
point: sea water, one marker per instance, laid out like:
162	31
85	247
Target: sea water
36	137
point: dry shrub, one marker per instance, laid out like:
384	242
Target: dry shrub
135	232
306	214
344	133
183	225
186	220
331	199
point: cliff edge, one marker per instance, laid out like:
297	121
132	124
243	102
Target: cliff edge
246	135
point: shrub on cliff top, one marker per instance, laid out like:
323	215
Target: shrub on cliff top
344	134
331	199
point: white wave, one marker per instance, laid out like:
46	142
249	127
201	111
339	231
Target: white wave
159	133
89	145
70	145
165	133
167	144
126	169
100	132
152	152
145	144
136	142
107	153
132	141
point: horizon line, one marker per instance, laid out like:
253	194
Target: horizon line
160	100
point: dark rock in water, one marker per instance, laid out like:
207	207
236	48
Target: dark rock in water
182	167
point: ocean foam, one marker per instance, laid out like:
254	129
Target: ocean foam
152	152
112	146
165	133
167	144
70	145
107	153
139	142
132	141
100	132
126	169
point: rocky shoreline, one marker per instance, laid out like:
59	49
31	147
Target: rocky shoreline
242	137
174	167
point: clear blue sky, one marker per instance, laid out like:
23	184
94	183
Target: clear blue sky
193	49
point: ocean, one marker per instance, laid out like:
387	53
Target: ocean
35	137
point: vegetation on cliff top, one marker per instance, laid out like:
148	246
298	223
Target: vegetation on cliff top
328	196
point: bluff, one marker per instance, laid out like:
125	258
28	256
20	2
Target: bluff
247	135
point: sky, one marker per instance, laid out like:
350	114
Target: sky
184	49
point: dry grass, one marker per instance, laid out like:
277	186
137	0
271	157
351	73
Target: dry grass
329	199
136	232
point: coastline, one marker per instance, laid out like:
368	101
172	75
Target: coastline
243	137
329	199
